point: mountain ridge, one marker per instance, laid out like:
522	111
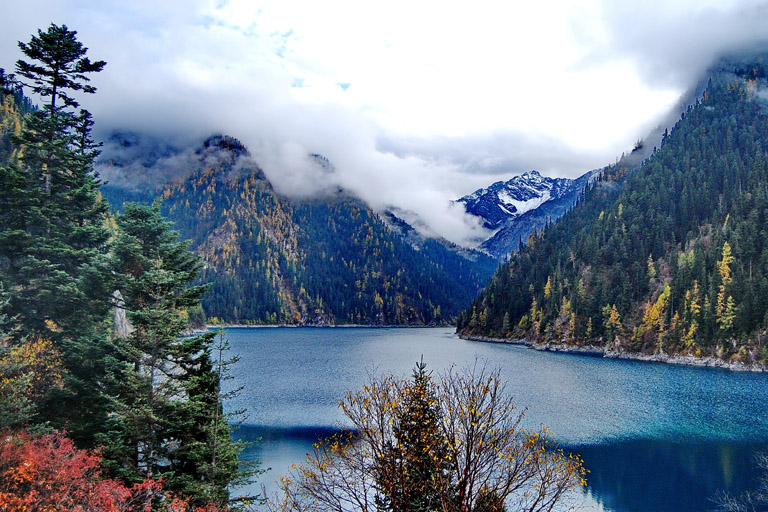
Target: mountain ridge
515	208
668	258
318	261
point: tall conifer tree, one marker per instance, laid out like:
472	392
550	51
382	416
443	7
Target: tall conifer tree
53	219
168	394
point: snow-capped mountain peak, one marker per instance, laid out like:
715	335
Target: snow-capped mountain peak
514	208
508	199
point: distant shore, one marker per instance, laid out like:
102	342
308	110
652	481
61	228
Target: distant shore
323	326
595	351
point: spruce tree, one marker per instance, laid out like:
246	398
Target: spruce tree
52	228
413	472
167	386
53	240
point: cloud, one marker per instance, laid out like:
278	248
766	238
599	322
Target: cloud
414	104
672	44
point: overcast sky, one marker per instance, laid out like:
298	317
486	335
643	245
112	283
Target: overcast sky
415	102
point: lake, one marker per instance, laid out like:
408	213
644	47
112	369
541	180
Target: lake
655	437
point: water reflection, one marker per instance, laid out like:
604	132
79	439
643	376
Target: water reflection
641	475
646	475
655	437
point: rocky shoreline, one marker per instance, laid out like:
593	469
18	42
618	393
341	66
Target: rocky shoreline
595	351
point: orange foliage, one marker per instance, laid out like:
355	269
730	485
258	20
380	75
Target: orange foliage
49	474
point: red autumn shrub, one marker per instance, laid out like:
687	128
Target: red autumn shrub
49	474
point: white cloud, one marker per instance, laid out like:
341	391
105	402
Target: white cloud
441	96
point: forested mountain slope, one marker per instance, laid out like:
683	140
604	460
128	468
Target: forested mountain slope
13	106
671	258
328	260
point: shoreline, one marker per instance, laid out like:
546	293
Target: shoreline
594	351
324	326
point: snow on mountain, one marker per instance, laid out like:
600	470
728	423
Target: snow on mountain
508	199
514	208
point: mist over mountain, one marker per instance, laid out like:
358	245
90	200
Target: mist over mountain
665	258
326	259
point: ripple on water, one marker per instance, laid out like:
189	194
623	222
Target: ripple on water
643	428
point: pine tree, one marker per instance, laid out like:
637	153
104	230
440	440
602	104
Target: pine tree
412	472
168	388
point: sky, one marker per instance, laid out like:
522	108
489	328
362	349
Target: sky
415	103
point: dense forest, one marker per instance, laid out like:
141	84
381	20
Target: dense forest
325	260
118	415
670	258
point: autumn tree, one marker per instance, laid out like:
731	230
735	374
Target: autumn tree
49	473
611	320
489	459
725	307
27	372
413	471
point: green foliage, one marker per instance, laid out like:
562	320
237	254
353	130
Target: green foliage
413	470
329	260
13	107
167	388
677	248
59	65
52	217
146	394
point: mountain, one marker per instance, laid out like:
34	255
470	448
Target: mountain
325	260
667	258
13	107
517	207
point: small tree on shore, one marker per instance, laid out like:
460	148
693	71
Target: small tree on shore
481	457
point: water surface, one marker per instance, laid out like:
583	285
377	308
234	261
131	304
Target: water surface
655	437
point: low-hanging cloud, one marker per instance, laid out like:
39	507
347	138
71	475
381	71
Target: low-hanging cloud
292	79
673	46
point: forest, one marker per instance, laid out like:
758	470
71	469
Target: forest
668	258
324	260
108	395
105	397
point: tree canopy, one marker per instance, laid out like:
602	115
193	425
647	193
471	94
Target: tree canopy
456	444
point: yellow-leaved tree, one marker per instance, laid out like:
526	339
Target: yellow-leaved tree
27	371
455	444
725	309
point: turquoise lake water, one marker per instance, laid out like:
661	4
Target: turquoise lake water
655	437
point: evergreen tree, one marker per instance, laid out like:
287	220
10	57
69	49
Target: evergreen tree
168	394
674	244
59	65
52	229
53	240
413	471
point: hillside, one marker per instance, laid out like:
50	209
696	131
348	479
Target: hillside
671	258
327	260
13	107
517	207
